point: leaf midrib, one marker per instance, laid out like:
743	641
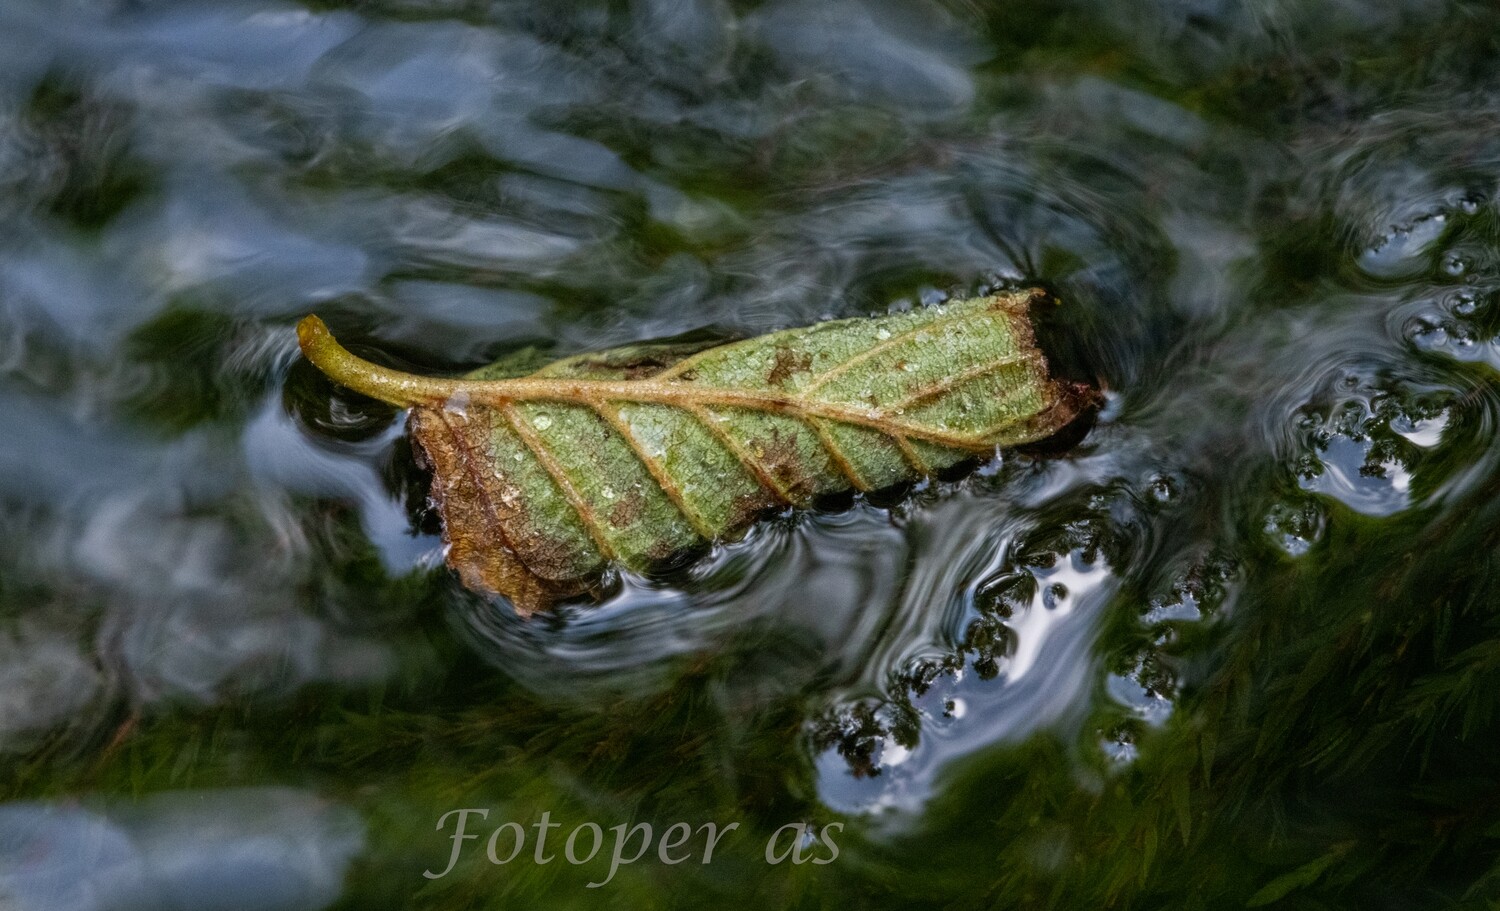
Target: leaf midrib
407	390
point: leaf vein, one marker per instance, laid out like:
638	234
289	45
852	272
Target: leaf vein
762	476
543	455
610	412
900	338
910	454
836	453
952	381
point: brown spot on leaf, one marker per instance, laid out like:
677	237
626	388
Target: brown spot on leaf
783	462
627	509
641	369
632	369
788	362
748	507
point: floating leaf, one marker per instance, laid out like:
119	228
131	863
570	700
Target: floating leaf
640	455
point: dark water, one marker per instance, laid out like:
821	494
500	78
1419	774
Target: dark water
1236	647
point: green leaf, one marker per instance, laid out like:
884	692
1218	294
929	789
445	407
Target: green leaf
639	455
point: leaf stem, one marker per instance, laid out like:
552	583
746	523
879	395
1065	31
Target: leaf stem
347	369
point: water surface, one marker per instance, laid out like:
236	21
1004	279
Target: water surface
1235	646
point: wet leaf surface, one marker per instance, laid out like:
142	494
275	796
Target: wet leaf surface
640	455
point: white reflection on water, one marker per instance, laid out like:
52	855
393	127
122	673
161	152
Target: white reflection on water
247	849
280	456
180	584
1041	683
878	50
1379	490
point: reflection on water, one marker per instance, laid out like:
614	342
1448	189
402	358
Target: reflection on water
821	590
1276	232
1036	678
255	849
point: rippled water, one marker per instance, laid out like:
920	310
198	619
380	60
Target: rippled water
1235	645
